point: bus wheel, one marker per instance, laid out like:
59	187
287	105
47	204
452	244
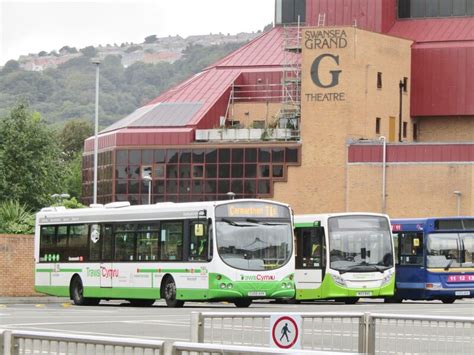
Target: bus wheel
141	302
170	294
243	303
77	292
350	300
448	300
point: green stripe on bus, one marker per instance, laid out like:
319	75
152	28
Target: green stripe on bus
44	270
306	225
70	270
177	271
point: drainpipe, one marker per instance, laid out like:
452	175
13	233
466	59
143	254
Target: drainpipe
384	171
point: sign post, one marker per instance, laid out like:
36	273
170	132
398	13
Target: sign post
285	331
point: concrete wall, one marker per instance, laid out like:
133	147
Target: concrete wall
17	265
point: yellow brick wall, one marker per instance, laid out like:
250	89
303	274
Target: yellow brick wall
412	190
446	129
319	185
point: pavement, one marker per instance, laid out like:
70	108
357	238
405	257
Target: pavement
34	300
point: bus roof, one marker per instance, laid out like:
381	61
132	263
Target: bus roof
120	211
311	218
432	224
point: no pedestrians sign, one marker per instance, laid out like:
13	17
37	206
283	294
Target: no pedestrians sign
285	331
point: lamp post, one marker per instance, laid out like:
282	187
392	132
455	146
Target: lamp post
96	62
402	86
148	178
458	195
384	171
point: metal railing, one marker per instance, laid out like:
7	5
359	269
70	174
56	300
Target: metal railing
28	342
403	334
322	331
184	348
345	332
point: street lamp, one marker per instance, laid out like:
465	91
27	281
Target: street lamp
384	172
149	179
96	62
458	195
402	85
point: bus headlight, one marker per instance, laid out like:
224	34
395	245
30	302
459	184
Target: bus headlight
387	278
338	280
283	285
433	286
222	285
229	286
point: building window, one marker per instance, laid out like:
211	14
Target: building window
434	8
405	129
415	131
379	80
378	120
405	84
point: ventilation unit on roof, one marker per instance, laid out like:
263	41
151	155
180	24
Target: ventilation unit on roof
96	205
118	204
53	209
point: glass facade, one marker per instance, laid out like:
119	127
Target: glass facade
185	174
435	8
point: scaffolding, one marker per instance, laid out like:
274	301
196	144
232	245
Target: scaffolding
290	112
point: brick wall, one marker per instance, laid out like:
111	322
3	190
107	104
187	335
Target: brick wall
17	265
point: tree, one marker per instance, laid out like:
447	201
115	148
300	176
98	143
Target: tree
89	51
151	39
30	163
10	67
73	135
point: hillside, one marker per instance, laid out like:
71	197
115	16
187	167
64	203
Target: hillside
66	90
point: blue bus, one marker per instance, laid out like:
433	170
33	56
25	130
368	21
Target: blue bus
434	258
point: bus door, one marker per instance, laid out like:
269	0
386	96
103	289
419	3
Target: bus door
106	265
309	257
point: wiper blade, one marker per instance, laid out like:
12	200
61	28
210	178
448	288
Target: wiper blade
256	221
449	265
235	224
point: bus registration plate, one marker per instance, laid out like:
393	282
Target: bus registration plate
257	293
463	293
364	294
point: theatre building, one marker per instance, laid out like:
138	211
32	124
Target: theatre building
344	105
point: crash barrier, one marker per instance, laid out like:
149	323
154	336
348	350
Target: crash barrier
184	348
26	342
344	332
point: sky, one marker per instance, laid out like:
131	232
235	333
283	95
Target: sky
31	26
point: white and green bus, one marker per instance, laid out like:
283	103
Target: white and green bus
235	250
344	256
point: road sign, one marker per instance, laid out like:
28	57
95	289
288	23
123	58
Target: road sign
285	331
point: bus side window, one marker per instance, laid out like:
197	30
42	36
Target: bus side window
199	241
171	241
48	243
411	248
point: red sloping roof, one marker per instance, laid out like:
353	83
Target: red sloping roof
435	30
264	51
205	88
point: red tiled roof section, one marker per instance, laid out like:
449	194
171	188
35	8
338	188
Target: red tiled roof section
264	51
435	30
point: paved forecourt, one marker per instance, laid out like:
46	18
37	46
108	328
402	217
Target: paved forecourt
159	322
